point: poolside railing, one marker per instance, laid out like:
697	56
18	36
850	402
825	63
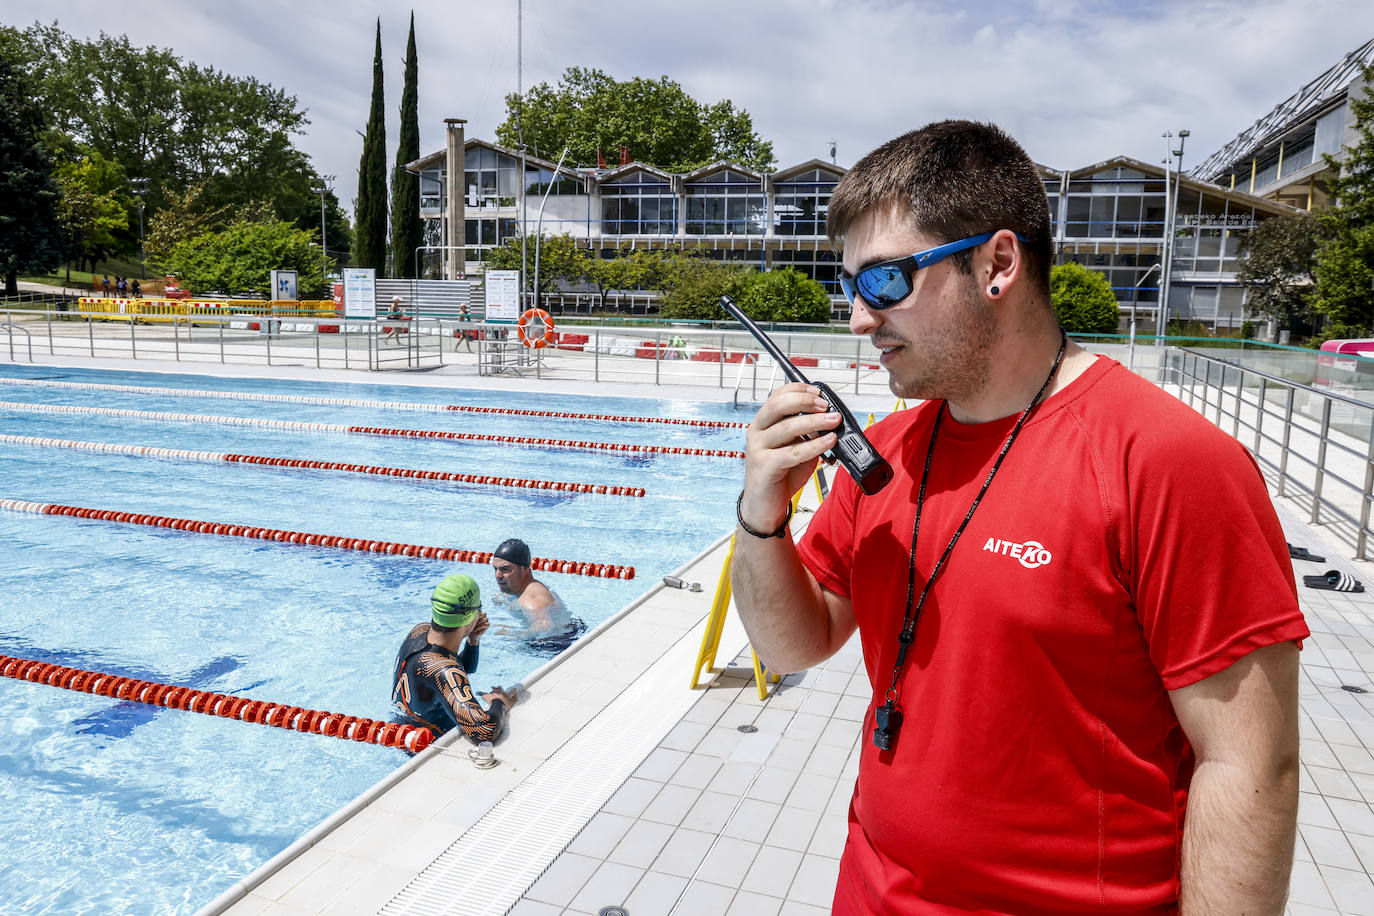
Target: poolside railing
1315	445
324	343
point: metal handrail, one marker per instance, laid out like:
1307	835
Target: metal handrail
11	327
1217	388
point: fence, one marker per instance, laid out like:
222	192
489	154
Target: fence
1315	445
325	343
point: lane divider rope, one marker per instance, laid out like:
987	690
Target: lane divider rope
413	738
360	402
371	430
342	542
149	451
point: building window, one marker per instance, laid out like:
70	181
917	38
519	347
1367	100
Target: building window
820	265
642	204
489	178
726	203
801	204
432	189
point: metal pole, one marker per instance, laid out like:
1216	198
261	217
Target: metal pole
1173	231
1321	462
1362	536
539	224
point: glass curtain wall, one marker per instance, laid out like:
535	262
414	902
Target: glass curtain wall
489	179
640	204
801	203
726	203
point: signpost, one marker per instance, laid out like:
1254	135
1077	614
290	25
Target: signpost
503	295
360	292
284	285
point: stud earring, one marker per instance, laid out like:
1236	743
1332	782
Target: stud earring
992	291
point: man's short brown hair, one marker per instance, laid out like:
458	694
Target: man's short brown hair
952	180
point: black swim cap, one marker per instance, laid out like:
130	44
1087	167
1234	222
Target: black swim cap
514	551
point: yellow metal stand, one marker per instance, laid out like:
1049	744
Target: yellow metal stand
710	640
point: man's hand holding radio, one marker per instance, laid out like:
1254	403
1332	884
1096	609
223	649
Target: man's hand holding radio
788	435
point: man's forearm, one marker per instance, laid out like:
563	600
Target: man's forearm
1238	840
780	604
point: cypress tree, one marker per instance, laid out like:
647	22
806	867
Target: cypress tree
407	232
31	237
369	245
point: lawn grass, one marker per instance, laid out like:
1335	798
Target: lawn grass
85	279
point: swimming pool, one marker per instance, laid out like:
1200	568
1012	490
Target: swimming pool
118	807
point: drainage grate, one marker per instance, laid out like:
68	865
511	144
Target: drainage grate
521	836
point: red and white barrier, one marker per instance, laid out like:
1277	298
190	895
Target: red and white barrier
342	542
148	451
315	721
370	430
360	402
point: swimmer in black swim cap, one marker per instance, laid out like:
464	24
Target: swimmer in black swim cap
547	623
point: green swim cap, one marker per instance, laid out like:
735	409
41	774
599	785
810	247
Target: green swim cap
456	601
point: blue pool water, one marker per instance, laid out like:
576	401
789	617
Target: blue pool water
112	807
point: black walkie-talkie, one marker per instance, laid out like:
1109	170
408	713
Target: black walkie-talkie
868	469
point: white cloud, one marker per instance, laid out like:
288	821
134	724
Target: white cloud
1076	82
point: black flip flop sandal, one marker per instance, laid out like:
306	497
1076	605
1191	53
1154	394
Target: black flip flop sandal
1333	580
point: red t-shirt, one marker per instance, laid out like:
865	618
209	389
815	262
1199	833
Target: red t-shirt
1125	548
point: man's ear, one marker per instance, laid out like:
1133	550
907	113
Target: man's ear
1001	263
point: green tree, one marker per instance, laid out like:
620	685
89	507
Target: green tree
407	229
31	238
656	120
1082	299
173	123
370	240
631	270
694	284
1345	259
785	294
560	260
184	217
94	209
238	261
1278	268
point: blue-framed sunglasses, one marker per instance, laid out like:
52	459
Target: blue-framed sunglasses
886	283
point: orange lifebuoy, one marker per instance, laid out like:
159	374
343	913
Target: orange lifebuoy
535	342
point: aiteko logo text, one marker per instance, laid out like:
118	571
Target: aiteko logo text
1029	554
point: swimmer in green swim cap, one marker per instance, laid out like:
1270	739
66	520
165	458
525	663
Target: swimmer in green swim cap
430	677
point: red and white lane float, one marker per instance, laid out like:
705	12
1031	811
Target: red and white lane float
342	542
280	715
372	430
360	402
148	451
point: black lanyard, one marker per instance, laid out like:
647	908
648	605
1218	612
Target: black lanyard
888	718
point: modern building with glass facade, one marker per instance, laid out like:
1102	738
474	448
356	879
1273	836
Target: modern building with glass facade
1110	217
1282	155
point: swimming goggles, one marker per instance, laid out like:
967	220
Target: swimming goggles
886	283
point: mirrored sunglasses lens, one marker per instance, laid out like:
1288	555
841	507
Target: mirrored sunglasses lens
882	286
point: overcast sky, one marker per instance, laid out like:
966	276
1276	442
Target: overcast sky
1076	82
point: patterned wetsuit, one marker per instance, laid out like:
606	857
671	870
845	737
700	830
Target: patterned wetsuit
432	689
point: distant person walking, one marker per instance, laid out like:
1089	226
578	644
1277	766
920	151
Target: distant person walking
464	332
397	314
135	290
105	286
